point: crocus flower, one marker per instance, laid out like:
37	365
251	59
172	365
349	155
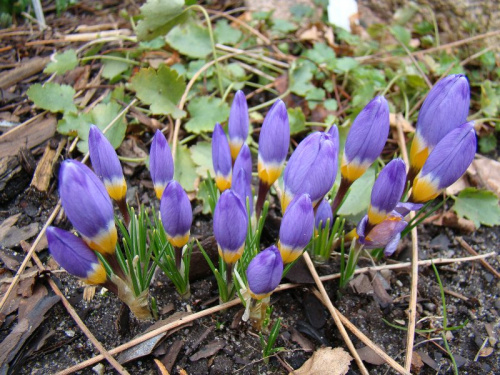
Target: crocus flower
161	163
323	214
88	206
445	108
274	140
386	234
366	139
176	214
244	160
221	158
238	123
387	191
264	273
242	187
447	162
296	228
312	169
73	254
230	226
106	164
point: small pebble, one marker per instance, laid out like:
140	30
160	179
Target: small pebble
98	369
69	333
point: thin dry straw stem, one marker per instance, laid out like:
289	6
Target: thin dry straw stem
391	362
336	319
412	309
485	264
280	288
51	218
118	367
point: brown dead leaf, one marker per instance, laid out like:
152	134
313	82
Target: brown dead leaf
395	118
416	363
361	284
208	350
485	173
311	33
302	341
326	361
451	220
368	355
458	186
486	352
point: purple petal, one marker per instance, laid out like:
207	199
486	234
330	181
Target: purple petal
323	214
360	229
244	160
404	208
389	186
274	137
264	271
241	186
312	168
238	118
445	108
84	199
452	156
230	222
383	233
392	245
175	209
221	154
297	226
161	163
103	156
72	253
368	133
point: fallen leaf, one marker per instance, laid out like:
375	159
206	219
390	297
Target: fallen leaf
309	34
302	341
486	352
208	350
326	361
173	351
361	284
368	355
416	363
451	220
485	173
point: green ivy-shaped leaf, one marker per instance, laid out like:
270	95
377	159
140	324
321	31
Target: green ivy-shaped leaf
297	120
480	206
158	17
185	168
205	112
62	62
161	89
190	39
53	97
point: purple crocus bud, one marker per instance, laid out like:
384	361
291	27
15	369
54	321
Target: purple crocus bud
230	226
161	163
88	206
296	228
73	254
323	214
334	133
238	123
264	273
106	164
312	169
404	208
221	158
366	139
387	191
242	187
386	234
176	214
274	140
244	160
446	164
445	108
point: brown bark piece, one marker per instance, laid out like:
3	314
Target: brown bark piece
25	70
44	170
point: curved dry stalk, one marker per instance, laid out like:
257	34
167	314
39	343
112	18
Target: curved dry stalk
52	216
328	303
412	308
113	362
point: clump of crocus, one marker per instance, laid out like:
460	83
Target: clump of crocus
238	123
230	230
446	164
387	191
311	170
263	275
445	108
296	228
177	217
274	140
74	255
108	168
88	206
364	143
161	163
221	159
